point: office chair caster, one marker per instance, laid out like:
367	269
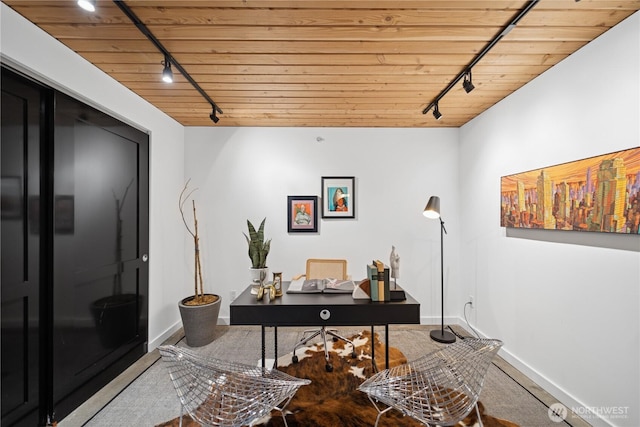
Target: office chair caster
353	354
328	367
294	359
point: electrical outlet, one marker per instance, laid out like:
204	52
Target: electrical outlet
471	300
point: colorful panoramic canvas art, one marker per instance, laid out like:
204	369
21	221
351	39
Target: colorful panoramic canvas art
600	193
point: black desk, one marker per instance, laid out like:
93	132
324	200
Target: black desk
321	310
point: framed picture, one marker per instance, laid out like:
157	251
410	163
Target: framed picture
599	194
302	214
338	197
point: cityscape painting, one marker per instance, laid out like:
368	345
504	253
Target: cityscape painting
600	193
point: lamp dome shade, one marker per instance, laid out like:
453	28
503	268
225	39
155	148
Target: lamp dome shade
432	210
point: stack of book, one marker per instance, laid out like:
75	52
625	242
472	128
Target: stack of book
378	275
379	286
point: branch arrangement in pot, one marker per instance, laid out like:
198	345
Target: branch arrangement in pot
200	311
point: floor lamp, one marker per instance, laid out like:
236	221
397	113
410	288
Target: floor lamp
432	210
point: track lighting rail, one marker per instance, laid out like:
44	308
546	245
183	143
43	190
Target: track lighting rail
505	30
148	34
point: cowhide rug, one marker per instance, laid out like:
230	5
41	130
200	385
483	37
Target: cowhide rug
332	399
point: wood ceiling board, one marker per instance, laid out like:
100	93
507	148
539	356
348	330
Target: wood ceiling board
330	63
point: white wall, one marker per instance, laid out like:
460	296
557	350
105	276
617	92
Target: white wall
25	47
247	173
566	304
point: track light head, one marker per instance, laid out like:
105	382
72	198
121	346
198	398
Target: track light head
466	83
167	74
88	5
436	112
213	115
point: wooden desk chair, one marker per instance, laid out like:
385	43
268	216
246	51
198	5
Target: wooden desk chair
322	269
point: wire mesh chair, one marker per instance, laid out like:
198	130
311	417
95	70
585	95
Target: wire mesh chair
440	388
322	269
222	393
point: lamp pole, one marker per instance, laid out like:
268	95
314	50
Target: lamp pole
442	335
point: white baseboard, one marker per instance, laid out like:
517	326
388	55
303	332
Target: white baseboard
557	392
222	320
163	337
549	386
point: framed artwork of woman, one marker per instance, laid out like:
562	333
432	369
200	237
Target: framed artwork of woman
338	197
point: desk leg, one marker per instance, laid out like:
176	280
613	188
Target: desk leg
275	347
263	349
386	346
373	352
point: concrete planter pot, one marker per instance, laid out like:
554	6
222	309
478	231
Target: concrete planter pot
199	321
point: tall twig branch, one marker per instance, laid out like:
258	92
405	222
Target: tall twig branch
198	280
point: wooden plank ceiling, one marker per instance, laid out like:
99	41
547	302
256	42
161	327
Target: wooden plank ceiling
328	63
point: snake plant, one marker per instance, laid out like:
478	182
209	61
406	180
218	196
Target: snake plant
258	247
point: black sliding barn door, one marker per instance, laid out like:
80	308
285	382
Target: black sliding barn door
20	251
74	271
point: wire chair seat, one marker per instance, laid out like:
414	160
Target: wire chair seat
439	388
222	393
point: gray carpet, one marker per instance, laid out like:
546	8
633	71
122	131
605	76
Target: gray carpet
144	395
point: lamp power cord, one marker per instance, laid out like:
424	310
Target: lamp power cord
464	311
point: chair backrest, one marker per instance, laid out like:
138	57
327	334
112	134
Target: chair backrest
219	392
324	268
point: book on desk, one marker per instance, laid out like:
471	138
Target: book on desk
320	286
378	275
380	286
